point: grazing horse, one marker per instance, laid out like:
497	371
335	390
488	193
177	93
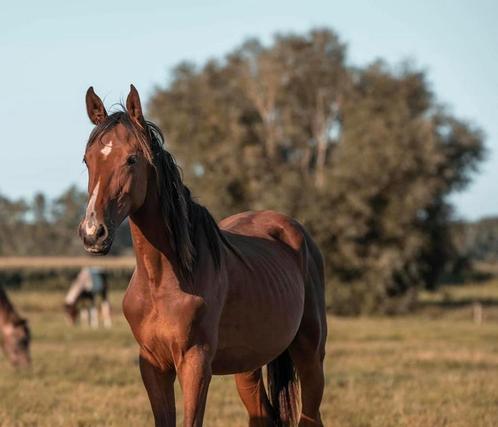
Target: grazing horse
15	332
81	299
204	298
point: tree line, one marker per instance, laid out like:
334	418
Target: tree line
42	226
365	157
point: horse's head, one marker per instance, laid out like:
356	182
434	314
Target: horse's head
118	159
71	312
16	340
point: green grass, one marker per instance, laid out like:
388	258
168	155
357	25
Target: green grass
435	368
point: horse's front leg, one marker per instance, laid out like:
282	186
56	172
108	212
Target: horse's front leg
160	389
194	373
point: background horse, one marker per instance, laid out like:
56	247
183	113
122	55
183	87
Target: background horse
205	299
15	333
87	294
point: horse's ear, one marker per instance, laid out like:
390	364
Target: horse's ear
95	107
134	106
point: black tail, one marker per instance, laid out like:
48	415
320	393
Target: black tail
283	390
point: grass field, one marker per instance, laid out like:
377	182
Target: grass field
435	368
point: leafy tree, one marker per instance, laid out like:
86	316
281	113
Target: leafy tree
365	157
48	227
12	218
476	241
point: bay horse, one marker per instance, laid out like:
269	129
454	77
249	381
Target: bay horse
87	296
204	298
15	333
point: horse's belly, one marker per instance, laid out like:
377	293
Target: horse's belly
232	360
258	323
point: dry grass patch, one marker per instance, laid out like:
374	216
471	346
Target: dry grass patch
381	372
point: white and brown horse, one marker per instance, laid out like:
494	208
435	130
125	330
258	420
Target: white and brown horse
87	296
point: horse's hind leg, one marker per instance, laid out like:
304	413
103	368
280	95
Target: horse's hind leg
94	316
84	316
307	352
309	366
308	348
105	310
252	392
105	307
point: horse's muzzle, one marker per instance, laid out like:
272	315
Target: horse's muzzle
97	238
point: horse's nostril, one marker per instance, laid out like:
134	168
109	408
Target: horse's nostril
101	231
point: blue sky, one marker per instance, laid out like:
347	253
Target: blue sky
52	51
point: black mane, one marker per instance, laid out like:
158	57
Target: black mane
184	218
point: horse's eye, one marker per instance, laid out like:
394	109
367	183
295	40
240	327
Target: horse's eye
131	160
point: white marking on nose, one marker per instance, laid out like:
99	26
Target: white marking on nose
90	209
107	149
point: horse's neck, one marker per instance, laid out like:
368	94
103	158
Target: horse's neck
78	287
7	312
156	258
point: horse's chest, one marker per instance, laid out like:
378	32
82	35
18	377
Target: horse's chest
165	325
